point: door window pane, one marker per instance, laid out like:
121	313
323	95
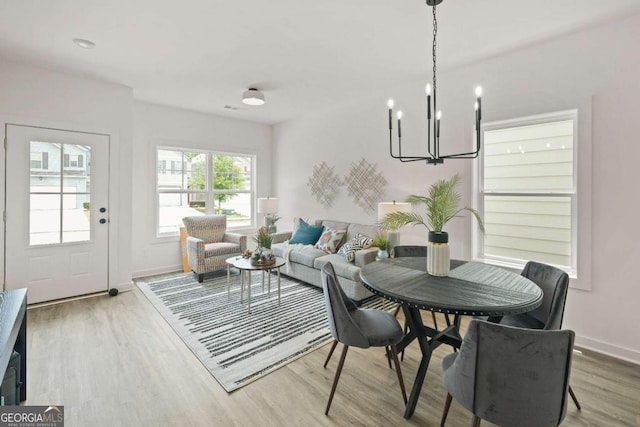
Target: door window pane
44	219
75	218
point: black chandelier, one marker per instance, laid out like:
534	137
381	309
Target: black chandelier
433	131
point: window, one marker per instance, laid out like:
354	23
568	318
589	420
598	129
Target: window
73	161
200	182
39	160
527	191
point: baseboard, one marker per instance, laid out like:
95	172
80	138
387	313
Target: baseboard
618	352
153	271
121	287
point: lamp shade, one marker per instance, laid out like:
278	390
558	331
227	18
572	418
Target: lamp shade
385	208
267	205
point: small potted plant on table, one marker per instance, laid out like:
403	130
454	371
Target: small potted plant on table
262	255
382	243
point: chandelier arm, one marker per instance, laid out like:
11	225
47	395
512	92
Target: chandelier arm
400	156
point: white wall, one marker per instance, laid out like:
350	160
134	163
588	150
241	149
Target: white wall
595	71
39	97
155	126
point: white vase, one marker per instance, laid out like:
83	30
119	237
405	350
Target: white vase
438	259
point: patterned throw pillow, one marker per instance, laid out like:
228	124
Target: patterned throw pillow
329	240
359	242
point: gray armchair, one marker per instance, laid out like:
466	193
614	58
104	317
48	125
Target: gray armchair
510	376
357	327
209	244
555	285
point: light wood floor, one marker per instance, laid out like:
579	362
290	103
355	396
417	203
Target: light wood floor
113	361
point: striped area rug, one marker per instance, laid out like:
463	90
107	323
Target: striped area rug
235	346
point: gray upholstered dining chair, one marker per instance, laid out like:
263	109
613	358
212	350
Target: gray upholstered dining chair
510	376
555	285
353	326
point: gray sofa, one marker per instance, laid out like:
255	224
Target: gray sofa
305	262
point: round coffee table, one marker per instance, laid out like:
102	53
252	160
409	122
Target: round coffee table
245	267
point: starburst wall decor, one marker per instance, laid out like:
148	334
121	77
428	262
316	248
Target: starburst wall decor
324	184
365	184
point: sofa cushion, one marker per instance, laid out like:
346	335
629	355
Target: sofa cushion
305	255
306	234
370	231
342	267
330	239
358	242
278	249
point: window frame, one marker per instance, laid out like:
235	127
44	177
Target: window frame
573	194
209	192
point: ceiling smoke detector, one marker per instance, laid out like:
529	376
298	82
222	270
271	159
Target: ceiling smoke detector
253	97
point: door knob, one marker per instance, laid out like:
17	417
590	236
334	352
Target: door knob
102	220
103	210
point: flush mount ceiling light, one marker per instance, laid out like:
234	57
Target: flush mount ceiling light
433	155
253	97
84	43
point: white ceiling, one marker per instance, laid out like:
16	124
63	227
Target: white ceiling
202	54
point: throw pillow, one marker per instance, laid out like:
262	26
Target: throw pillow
358	242
329	240
306	234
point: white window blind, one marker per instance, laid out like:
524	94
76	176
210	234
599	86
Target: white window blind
528	192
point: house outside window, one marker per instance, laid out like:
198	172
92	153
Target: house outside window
527	196
195	182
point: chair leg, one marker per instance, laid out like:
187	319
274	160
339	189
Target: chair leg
200	277
476	421
388	356
394	352
445	412
406	329
575	399
337	377
397	310
333	347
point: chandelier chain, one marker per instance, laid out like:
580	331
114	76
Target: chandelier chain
435	32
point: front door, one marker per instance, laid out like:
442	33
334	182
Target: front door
56	224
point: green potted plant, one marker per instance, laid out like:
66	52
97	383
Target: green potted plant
442	203
262	255
263	238
383	244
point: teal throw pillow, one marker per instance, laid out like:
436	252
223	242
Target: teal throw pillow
306	234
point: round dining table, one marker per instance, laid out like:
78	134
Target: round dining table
470	289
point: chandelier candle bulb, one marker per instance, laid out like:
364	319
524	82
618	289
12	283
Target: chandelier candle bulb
399	123
427	89
479	103
390	104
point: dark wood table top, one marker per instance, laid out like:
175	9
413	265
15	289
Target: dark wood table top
471	288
